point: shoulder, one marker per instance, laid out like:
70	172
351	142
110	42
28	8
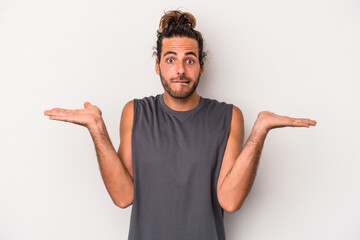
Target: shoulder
229	109
146	99
237	114
128	108
237	124
127	117
145	103
217	104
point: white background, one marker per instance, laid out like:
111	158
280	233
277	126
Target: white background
294	58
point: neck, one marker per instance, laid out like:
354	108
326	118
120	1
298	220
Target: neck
185	104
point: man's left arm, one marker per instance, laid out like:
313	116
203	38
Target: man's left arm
239	168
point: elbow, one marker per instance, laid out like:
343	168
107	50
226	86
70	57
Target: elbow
229	210
231	201
122	205
123	200
233	206
227	207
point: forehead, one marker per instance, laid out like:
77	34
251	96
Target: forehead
179	45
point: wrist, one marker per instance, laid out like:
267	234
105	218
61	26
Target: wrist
259	131
97	126
260	126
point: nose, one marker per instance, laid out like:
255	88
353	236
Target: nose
180	68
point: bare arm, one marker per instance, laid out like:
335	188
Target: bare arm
117	179
239	179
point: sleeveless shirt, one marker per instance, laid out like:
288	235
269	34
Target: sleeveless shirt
176	160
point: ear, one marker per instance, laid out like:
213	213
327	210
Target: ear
202	68
157	67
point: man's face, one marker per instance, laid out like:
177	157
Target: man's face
179	67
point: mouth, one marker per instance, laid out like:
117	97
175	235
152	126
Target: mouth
186	82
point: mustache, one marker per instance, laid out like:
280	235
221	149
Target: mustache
182	77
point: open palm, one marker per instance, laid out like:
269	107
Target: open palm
271	120
84	117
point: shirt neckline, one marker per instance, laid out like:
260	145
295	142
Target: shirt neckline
179	113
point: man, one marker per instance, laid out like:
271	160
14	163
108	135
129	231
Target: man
180	161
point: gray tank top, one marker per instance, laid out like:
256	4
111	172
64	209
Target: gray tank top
176	159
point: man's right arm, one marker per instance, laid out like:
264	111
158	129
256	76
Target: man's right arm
116	167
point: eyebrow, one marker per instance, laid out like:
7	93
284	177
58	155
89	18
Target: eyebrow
186	54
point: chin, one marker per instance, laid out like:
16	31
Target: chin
180	95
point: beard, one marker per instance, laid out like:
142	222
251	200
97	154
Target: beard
184	92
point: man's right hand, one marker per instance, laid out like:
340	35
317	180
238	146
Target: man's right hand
86	117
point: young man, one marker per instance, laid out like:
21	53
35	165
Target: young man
180	161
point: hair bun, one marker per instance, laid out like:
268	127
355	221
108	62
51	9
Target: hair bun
176	17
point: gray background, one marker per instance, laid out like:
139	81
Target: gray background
294	58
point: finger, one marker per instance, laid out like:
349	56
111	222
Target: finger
87	104
50	112
294	122
313	122
304	122
65	116
47	112
61	111
308	121
56	110
59	118
58	113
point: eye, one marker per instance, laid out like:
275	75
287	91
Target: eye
170	60
190	61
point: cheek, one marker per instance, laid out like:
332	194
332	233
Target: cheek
194	71
166	70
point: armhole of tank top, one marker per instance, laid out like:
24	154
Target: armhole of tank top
228	118
228	124
228	128
133	122
132	148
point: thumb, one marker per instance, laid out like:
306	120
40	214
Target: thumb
87	104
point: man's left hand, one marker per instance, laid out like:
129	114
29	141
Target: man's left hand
268	120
